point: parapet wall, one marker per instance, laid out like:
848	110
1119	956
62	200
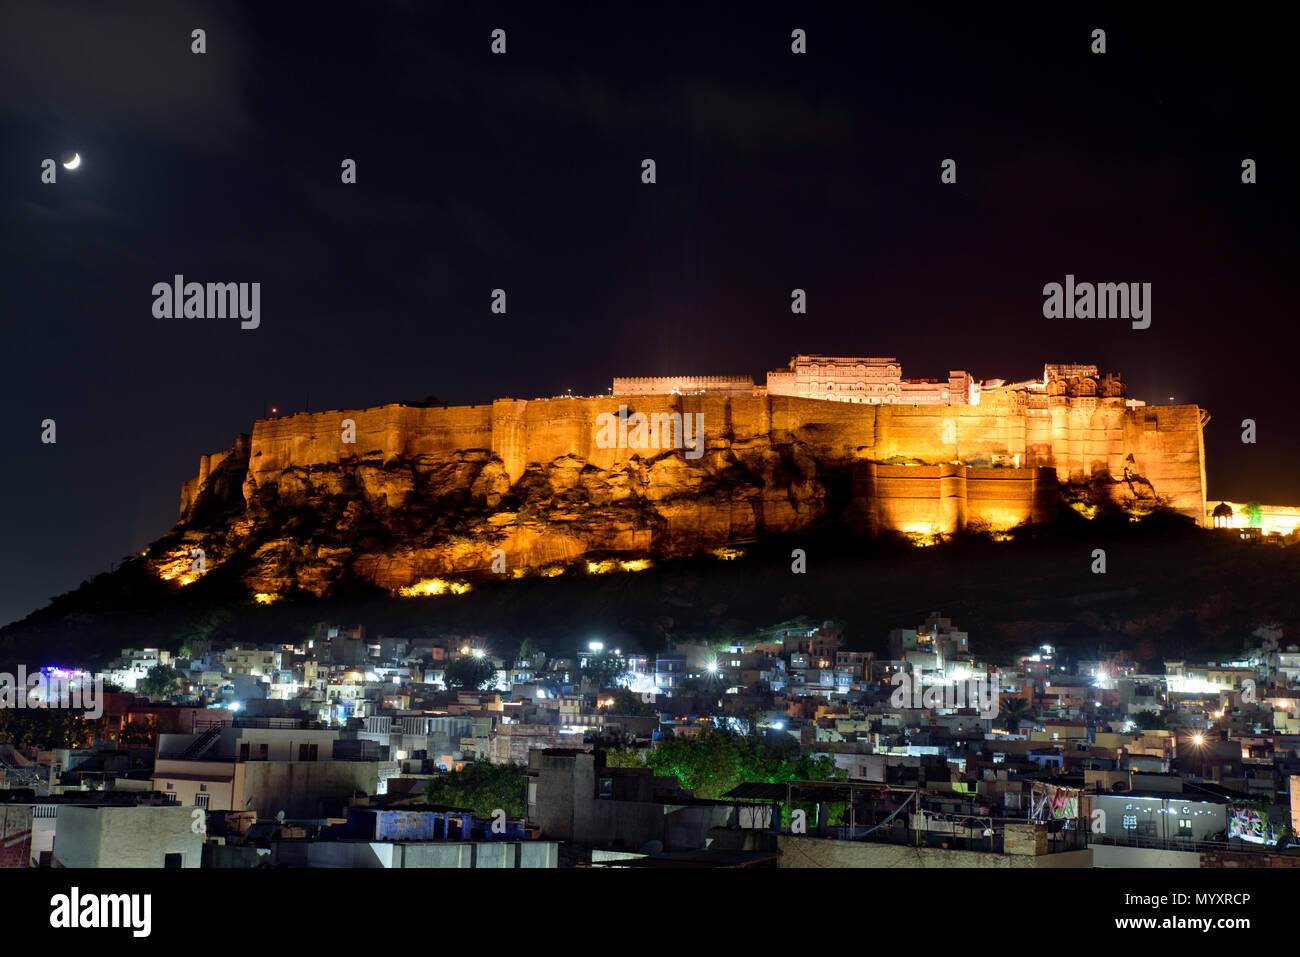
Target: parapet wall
390	431
522	432
1080	439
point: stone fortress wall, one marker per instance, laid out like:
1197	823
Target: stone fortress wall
1073	420
929	500
1081	429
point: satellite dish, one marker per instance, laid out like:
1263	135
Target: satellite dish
651	848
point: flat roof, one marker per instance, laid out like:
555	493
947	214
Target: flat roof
777	791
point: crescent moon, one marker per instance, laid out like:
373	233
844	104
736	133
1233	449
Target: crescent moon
74	162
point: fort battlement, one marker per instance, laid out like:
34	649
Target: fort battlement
1081	438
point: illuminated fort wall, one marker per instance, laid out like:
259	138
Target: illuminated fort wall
1078	437
1273	519
943	499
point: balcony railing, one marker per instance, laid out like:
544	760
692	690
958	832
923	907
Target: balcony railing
1166	843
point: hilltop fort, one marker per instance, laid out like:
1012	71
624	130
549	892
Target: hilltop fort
397	494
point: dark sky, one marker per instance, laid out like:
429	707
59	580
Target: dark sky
522	171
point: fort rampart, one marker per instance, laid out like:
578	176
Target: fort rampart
1159	448
931	500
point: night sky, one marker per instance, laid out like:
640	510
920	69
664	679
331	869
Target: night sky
523	172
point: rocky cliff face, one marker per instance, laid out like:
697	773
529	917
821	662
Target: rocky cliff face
396	521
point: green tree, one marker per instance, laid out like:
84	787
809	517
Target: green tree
624	758
1150	721
1254	514
482	788
604	670
713	762
42	728
469	672
529	648
749	719
160	682
1014	710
